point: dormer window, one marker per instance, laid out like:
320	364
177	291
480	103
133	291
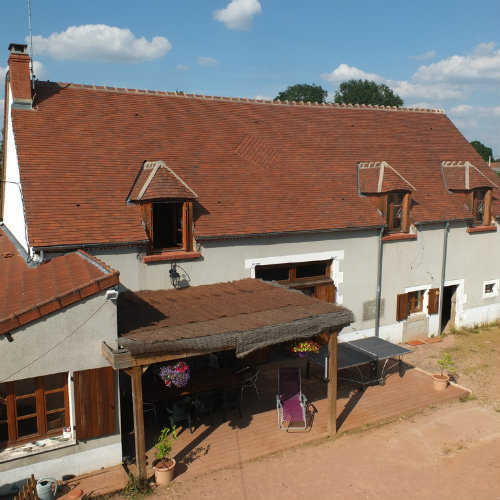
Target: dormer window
479	203
389	191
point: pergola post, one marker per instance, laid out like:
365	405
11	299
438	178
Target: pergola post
140	446
331	425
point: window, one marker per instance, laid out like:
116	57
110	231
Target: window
33	408
169	225
395	208
490	288
479	203
394	214
311	278
413	302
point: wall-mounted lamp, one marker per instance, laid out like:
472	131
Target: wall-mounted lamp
174	275
111	294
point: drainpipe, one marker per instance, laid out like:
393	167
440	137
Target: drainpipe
443	272
379	283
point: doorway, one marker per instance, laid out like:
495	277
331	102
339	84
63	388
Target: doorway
449	307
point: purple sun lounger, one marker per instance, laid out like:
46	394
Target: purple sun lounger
290	402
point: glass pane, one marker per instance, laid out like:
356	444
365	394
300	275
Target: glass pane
27	427
4	432
26	406
55	421
55	381
272	273
54	401
310	270
26	386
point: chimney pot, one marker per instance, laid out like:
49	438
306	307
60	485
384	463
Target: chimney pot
18	48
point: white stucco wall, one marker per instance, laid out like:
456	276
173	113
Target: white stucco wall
67	340
13	210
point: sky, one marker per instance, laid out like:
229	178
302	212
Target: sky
440	54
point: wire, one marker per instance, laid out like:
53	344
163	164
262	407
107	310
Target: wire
57	345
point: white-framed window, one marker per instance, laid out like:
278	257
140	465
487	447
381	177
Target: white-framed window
490	288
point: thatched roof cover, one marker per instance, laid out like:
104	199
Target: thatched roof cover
244	315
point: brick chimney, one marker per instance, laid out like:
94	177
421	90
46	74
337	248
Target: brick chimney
20	75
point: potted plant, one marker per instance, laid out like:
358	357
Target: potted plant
305	346
175	374
440	380
164	464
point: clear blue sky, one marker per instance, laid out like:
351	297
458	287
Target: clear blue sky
434	53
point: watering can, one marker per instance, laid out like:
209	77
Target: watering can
44	488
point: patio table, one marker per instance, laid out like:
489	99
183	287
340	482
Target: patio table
155	391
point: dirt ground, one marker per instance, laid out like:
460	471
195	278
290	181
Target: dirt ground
446	452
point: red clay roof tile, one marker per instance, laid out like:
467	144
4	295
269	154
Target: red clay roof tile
80	150
27	294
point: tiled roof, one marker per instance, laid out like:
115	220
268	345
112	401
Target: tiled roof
257	168
27	294
380	177
207	310
157	181
464	176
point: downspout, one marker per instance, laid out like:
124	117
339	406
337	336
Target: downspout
379	282
443	272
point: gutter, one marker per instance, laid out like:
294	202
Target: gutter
379	282
443	272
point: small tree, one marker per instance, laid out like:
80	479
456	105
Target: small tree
366	92
446	363
164	443
303	92
485	152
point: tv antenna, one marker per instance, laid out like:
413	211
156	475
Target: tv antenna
31	46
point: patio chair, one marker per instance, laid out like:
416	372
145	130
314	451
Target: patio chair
231	399
204	404
149	407
180	411
249	376
290	402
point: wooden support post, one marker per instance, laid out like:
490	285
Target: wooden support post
140	446
331	423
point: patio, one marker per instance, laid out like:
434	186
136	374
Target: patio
256	434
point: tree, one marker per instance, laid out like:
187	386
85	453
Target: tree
366	92
303	92
484	152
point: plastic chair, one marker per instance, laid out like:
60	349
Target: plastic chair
180	411
231	399
290	402
249	376
204	404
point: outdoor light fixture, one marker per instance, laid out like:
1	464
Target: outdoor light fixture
174	275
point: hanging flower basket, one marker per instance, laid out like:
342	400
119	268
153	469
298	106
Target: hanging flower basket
305	346
176	374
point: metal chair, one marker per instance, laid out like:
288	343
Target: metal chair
231	399
249	376
149	407
180	411
204	404
290	402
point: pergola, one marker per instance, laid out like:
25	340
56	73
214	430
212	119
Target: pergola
245	315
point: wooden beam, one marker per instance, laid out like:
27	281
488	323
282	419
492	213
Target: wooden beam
331	422
140	445
120	359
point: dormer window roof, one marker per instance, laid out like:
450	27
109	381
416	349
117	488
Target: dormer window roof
464	176
380	177
156	181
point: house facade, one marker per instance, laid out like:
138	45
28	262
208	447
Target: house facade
390	212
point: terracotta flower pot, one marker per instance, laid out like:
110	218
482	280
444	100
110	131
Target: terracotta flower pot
164	471
440	382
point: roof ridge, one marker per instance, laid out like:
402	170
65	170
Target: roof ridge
277	102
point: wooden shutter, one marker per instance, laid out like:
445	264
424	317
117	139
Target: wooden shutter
187	226
326	293
402	307
406	213
147	218
433	306
94	403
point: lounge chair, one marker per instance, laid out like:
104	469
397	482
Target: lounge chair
290	402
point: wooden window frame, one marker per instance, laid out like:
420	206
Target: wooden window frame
185	231
416	301
388	207
41	411
407	304
474	198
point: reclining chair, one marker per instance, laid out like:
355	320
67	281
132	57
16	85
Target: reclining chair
290	402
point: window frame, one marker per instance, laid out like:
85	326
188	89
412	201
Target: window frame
495	284
480	218
41	411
